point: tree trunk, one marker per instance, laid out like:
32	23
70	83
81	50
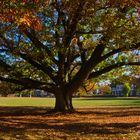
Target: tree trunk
63	102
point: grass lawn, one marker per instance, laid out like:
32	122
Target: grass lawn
95	119
78	102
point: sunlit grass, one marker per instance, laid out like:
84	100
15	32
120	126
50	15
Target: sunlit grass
78	102
10	101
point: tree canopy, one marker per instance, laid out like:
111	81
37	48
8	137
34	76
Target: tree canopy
59	44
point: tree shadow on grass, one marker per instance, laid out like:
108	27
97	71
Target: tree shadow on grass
112	111
37	111
114	114
20	120
22	111
68	128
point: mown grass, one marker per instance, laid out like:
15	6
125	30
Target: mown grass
78	102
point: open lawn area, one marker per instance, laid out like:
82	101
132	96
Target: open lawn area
78	102
94	119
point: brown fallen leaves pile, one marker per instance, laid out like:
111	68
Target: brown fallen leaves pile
104	123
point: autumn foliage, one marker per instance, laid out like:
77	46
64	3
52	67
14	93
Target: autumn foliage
22	12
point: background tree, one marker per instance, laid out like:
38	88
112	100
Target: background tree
6	88
105	90
56	46
126	89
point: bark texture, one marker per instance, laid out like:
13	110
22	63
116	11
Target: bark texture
63	102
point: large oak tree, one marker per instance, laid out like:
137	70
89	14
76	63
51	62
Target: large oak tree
59	44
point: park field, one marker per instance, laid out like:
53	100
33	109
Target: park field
77	102
94	119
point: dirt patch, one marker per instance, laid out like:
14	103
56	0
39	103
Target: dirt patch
104	123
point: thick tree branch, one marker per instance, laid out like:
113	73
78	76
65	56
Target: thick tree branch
38	44
14	81
22	81
111	67
115	51
27	83
84	72
48	70
4	65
